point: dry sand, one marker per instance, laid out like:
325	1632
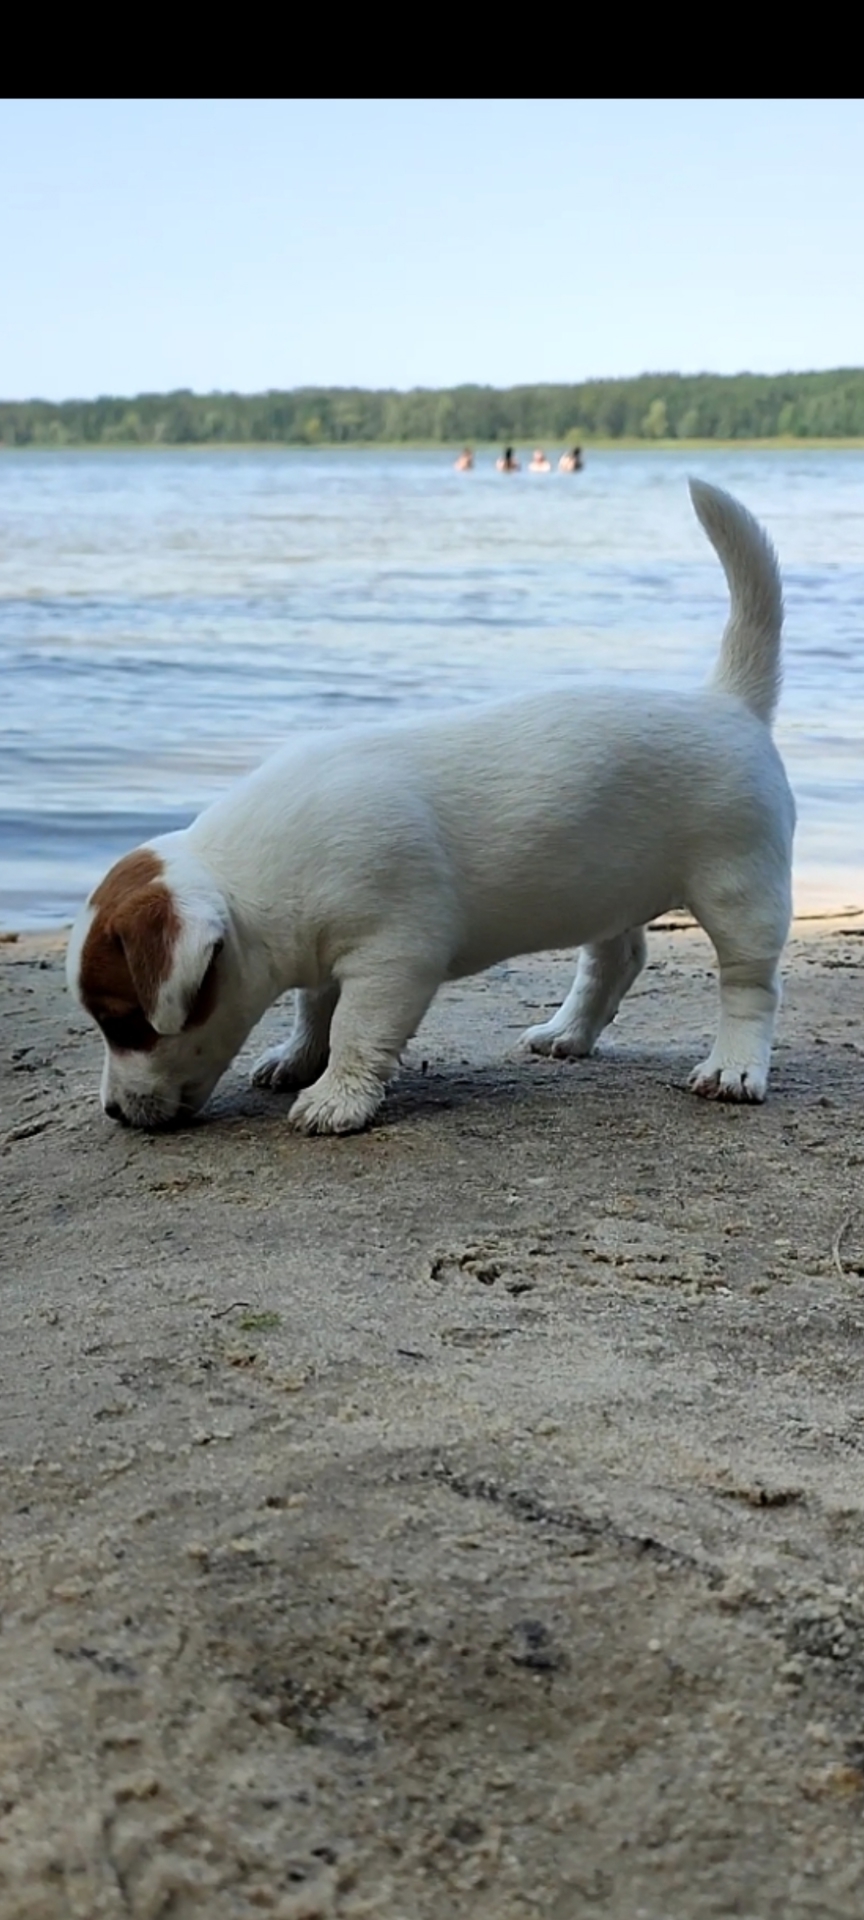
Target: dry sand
463	1519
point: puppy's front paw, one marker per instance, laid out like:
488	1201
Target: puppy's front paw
555	1044
745	1085
337	1104
284	1066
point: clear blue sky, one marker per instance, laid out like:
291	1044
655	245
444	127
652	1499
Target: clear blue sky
154	244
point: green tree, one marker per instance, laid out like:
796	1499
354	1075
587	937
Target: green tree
655	423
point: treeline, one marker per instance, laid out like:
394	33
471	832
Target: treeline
706	406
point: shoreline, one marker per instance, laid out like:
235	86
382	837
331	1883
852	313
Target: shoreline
819	902
25	944
780	444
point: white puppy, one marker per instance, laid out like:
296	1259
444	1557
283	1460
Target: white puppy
363	868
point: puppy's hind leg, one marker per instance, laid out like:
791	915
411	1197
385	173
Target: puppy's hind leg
299	1059
748	932
605	971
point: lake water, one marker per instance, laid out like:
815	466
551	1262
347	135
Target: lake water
166	619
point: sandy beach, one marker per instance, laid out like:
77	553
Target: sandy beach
462	1519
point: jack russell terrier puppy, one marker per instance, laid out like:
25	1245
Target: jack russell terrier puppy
365	867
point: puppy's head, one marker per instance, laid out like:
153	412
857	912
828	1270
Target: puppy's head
147	960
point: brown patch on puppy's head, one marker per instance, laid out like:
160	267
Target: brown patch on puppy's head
129	950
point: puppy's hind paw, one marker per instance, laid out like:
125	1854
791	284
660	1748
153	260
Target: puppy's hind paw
744	1086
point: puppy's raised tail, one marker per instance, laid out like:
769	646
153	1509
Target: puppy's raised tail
749	664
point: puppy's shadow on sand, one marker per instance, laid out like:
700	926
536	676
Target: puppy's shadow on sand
633	1077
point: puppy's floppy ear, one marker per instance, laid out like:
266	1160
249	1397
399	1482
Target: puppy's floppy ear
169	947
202	937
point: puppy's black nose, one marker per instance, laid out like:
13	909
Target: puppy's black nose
114	1110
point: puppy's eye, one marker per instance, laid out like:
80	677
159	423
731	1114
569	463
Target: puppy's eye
129	1032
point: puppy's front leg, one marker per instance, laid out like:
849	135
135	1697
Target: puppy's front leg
301	1057
380	1007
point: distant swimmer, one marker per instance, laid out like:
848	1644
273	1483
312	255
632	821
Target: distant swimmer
538	462
465	462
571	462
506	463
